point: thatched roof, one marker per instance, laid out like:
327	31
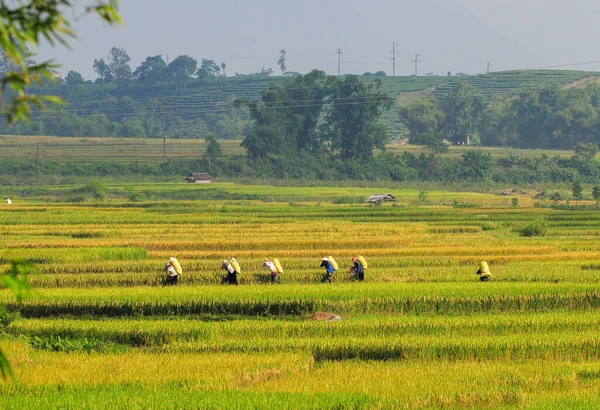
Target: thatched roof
199	177
381	198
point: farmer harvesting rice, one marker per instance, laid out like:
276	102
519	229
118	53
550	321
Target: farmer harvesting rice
173	270
231	277
329	270
484	272
357	271
274	271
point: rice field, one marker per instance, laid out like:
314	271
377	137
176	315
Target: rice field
101	331
124	150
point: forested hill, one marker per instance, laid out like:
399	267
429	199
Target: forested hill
204	106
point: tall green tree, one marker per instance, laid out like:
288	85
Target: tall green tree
118	64
281	62
208	68
577	189
352	117
421	117
151	71
213	149
102	71
285	120
182	69
73	78
462	109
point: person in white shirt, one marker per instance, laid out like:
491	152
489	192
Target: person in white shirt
274	274
172	275
8	201
231	277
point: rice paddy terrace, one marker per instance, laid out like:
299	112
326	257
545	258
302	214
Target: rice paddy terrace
100	330
216	95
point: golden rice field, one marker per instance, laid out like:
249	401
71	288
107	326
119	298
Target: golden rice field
100	330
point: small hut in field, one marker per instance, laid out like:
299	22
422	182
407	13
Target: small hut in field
199	178
378	198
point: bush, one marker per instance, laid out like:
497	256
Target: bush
94	188
538	227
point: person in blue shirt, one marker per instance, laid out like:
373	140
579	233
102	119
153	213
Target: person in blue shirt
329	270
358	272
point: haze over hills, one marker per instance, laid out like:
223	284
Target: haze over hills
249	35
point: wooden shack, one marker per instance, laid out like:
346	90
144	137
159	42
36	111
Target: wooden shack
199	178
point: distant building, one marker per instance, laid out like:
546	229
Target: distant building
201	178
381	198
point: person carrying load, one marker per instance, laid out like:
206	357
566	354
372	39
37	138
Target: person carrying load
329	269
231	277
484	272
357	271
275	268
173	270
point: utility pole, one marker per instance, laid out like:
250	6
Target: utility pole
37	161
394	51
164	112
339	52
489	68
416	61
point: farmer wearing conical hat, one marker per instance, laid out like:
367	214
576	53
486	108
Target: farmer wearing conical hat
329	270
231	277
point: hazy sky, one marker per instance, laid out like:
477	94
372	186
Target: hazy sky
451	35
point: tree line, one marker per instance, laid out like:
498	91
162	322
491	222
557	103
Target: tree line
549	117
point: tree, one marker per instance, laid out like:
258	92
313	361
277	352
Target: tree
223	68
283	124
596	193
151	71
182	69
433	143
208	68
73	77
101	69
421	116
351	120
118	64
23	24
577	189
479	165
585	152
213	149
281	62
462	109
341	119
